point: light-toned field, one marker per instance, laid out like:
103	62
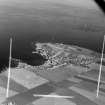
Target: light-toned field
26	78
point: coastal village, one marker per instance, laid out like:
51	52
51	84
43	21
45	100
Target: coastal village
68	69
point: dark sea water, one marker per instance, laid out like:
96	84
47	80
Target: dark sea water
42	22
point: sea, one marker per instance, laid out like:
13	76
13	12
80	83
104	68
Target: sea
27	25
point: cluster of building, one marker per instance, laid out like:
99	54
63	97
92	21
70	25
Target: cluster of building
80	61
65	57
83	60
47	50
